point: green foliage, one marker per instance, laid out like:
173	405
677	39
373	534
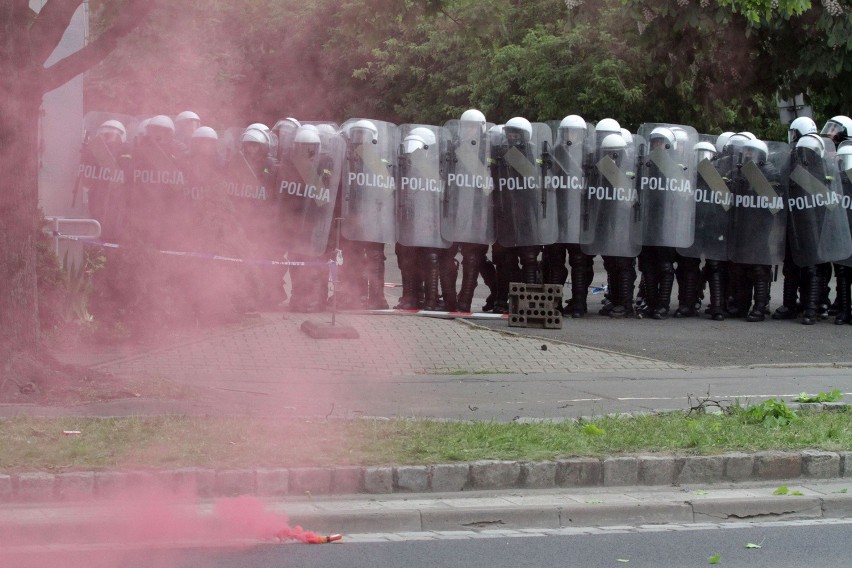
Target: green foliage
715	559
714	65
783	490
770	413
592	430
833	396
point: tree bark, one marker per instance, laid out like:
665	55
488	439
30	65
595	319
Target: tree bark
27	41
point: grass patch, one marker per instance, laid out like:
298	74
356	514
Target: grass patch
29	444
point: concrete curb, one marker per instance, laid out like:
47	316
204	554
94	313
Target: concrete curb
67	524
621	471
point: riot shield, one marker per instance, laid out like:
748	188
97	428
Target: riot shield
247	182
713	203
104	165
566	169
420	185
468	210
666	184
757	229
526	213
846	184
369	181
817	225
307	184
611	223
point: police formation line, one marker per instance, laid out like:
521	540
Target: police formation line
715	212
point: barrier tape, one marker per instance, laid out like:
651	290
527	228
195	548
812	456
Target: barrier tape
330	264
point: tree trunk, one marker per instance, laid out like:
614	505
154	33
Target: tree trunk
20	100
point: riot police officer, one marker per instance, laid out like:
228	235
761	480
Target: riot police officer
789	308
757	227
843	269
572	150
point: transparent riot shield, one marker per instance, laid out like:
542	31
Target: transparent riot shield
468	209
666	184
846	184
104	167
817	224
307	185
567	166
757	229
369	181
713	203
420	185
611	219
526	212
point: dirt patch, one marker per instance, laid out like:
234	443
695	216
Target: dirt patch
38	378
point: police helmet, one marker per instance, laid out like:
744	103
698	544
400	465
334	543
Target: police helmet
757	148
608	125
418	138
838	128
363	132
664	136
205	133
681	137
160	128
473	115
161	121
255	136
704	151
613	143
812	142
187	115
113	128
799	127
307	135
573	121
520	125
722	140
326	129
844	157
628	137
736	141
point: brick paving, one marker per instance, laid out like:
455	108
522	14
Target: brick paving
389	346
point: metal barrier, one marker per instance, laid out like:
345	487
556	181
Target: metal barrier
65	227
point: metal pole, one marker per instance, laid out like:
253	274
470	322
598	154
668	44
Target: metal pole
339	221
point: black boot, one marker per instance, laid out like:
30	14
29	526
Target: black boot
625	283
844	294
433	277
449	276
406	258
579	291
789	309
489	276
716	286
529	265
376	277
471	261
761	298
811	287
688	288
664	295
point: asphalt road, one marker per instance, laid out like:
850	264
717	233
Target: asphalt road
782	545
691	341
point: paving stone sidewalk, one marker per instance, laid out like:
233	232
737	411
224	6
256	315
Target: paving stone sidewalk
388	346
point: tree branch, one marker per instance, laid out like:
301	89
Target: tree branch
48	27
66	69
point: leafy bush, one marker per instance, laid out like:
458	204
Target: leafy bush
833	396
770	413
